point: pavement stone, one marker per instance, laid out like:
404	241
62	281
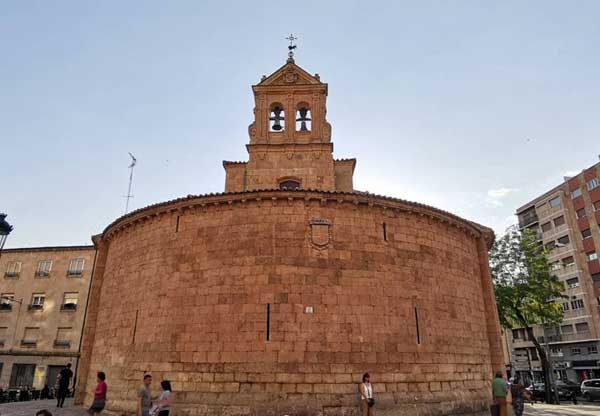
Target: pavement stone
541	409
31	407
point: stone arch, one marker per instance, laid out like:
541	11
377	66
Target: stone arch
303	116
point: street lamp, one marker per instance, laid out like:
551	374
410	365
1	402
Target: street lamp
5	229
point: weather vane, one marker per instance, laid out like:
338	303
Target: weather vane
292	46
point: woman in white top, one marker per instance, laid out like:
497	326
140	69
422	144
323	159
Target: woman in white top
164	400
366	395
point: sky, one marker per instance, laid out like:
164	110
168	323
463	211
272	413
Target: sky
472	107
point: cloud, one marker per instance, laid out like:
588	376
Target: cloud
500	192
495	196
571	173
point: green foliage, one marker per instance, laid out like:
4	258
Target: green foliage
526	291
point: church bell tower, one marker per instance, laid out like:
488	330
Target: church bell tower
290	139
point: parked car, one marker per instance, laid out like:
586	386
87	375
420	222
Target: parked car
591	389
565	390
568	386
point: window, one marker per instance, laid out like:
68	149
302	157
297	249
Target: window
580	213
576	351
70	301
593	349
586	233
592	183
558	221
6	301
63	337
303	122
3	333
554	202
43	269
575	193
30	336
598	300
577	304
582	327
556	350
597	206
564	240
591	256
37	301
565	307
289	184
573	283
516	333
76	267
534	354
596	277
556	265
277	117
13	269
568	261
546	227
550	245
566	329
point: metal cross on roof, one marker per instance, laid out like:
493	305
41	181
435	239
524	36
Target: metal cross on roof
292	46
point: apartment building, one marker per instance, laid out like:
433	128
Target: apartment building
566	219
43	296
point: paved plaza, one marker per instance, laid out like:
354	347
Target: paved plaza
31	407
565	409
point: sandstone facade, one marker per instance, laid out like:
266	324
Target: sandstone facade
44	292
275	301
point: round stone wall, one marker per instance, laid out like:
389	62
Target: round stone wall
273	303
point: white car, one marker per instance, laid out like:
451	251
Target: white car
590	389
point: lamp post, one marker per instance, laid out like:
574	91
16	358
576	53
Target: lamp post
5	229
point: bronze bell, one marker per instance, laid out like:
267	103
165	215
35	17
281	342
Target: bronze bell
276	118
303	118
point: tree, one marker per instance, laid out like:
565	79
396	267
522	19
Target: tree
526	292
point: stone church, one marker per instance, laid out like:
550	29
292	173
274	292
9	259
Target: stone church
274	297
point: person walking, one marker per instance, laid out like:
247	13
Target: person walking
99	394
163	402
144	397
499	391
365	390
64	381
519	395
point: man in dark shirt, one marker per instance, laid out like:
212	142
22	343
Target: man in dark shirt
63	385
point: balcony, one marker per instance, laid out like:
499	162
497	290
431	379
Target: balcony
568	337
27	343
546	211
7	307
62	344
74	273
527	219
561	251
68	307
35	307
41	273
11	275
555	232
575	313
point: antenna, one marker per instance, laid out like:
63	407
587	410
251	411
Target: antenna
129	196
